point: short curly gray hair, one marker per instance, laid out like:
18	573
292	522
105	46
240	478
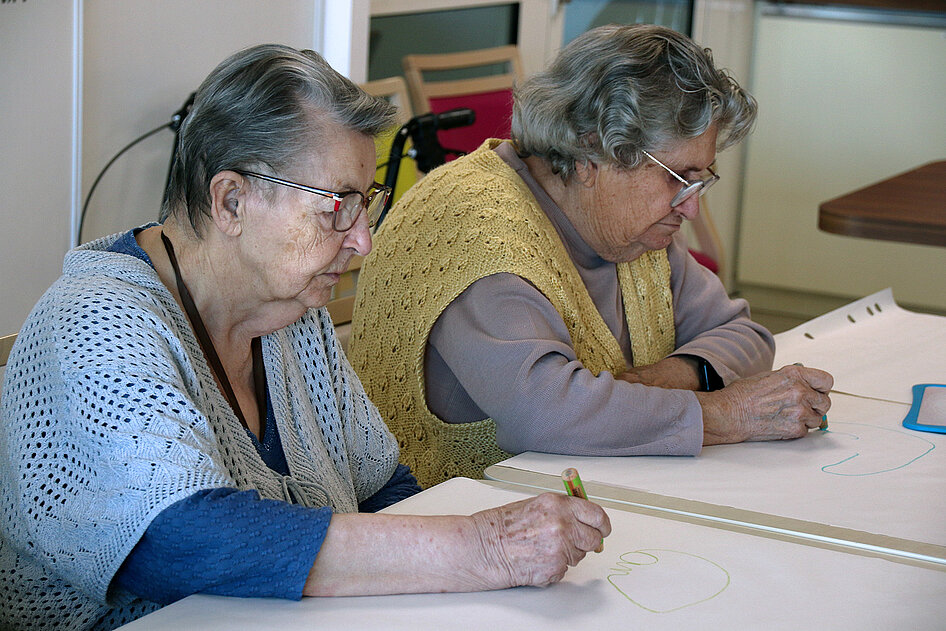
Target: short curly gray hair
261	109
618	90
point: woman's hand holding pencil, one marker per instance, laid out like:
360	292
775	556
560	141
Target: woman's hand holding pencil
778	405
534	541
575	488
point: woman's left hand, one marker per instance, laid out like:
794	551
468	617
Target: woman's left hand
670	372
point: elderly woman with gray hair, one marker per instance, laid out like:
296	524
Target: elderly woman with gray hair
178	416
537	295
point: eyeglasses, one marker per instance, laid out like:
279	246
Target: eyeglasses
348	204
691	187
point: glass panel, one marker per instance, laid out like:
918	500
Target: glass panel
582	15
393	36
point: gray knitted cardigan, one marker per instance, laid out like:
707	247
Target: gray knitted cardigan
109	413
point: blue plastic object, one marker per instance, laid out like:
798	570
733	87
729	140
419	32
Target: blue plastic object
911	421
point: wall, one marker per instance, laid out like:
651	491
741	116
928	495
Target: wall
80	80
141	61
842	105
39	148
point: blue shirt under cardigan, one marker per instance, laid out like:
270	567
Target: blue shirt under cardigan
233	543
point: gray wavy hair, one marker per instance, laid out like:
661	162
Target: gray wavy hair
261	109
618	90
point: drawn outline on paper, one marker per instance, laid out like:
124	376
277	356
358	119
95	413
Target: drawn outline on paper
839	463
626	566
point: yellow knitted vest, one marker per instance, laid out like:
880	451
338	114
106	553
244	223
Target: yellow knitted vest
470	219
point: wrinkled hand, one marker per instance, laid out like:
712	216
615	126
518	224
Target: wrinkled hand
534	541
770	406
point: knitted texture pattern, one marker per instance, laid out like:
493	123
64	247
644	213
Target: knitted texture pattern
110	413
464	221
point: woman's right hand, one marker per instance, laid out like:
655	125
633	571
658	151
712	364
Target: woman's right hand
530	542
534	541
775	405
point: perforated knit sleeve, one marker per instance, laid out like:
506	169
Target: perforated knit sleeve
100	432
226	542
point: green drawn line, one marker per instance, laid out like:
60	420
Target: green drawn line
626	567
856	437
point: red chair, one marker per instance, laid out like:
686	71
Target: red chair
489	96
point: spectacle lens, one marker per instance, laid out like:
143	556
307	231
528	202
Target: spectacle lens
693	188
378	199
686	193
352	204
348	210
690	186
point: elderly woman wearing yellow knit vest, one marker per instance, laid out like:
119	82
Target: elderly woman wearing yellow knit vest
536	294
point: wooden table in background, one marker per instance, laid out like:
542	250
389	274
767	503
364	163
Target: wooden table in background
909	208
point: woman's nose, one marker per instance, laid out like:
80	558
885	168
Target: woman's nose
358	236
690	207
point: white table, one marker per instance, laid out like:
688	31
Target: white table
654	573
866	481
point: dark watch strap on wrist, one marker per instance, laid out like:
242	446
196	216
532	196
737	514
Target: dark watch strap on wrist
709	378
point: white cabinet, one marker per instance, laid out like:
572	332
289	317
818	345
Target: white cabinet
843	104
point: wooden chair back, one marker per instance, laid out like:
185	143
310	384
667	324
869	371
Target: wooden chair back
6	344
394	89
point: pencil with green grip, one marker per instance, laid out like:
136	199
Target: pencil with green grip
575	488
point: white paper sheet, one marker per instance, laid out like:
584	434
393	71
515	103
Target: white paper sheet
865	472
872	347
653	574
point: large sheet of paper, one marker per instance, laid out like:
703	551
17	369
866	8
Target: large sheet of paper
653	574
866	472
873	348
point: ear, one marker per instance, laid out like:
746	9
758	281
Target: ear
227	202
586	173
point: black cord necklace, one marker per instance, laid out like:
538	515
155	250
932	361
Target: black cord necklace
256	346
